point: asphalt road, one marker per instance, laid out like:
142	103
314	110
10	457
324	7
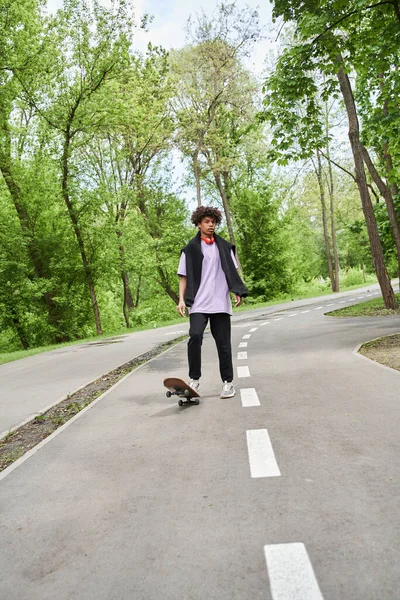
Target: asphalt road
289	491
32	385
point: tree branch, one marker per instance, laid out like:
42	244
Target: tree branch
350	14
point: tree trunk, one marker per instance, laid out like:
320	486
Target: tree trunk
387	195
331	188
197	176
139	283
163	281
18	327
356	147
78	234
128	300
318	173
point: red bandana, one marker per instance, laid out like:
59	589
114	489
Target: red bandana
207	240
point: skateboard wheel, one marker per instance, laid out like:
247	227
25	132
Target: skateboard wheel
186	393
169	394
197	401
180	402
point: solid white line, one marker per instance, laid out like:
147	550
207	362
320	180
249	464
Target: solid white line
247	336
319	307
253	329
243	372
291	576
249	397
279	319
261	454
293	315
265	323
305	311
243	345
242	355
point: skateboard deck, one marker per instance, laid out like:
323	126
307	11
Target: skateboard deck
179	387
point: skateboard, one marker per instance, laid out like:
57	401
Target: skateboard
178	387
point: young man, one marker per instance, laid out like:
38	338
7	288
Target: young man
208	273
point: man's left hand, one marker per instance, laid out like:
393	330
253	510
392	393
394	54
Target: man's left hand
238	300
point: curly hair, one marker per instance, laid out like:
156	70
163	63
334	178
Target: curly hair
206	211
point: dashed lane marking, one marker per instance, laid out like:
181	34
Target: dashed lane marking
291	576
243	372
279	319
318	308
332	304
253	329
359	297
247	336
242	355
249	397
261	454
243	345
293	315
265	323
303	312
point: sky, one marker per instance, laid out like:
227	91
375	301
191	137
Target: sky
167	28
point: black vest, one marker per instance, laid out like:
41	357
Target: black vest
194	262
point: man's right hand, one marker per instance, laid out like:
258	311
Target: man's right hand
181	308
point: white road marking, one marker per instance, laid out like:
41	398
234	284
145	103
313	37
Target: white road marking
290	572
249	397
243	372
175	332
243	345
293	315
303	312
265	323
351	299
342	301
247	336
359	297
261	454
279	319
333	304
318	308
253	329
242	355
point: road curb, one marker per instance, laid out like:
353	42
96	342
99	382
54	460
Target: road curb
371	360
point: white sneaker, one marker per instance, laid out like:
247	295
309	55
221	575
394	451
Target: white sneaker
228	390
194	384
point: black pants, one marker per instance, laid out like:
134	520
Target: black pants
220	324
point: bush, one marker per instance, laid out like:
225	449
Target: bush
354	276
154	311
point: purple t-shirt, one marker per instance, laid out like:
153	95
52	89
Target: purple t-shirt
213	294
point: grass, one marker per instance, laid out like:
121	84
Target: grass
6	357
371	308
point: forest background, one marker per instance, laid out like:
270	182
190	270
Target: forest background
303	158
